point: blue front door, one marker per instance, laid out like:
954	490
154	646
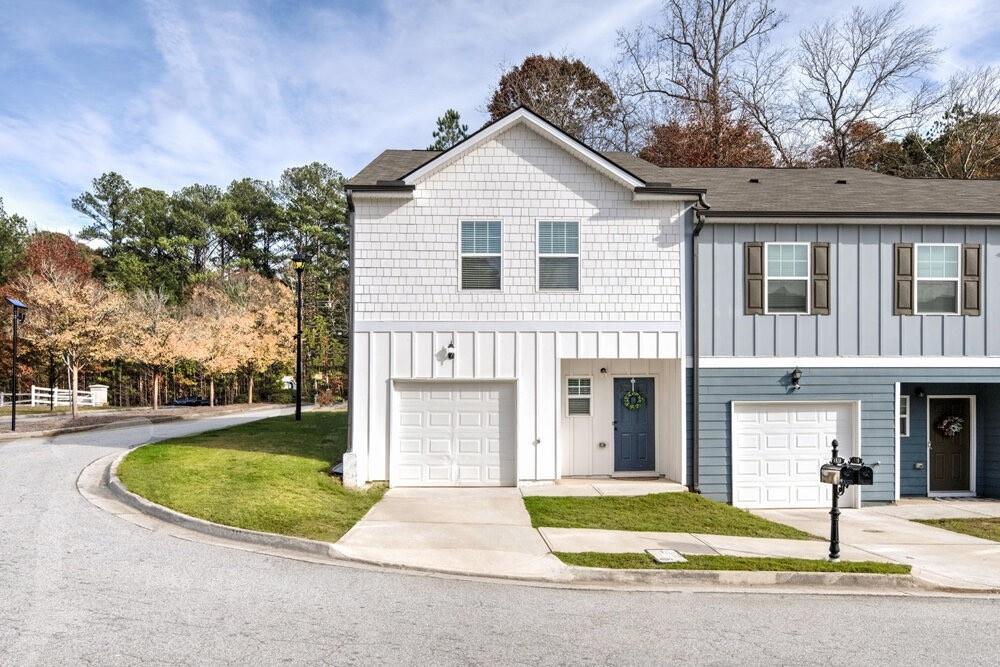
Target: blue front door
634	442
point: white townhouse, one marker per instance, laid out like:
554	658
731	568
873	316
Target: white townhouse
518	313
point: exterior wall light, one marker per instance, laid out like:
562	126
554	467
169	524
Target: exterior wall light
796	378
451	350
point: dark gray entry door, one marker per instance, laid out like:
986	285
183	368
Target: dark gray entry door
635	444
950	455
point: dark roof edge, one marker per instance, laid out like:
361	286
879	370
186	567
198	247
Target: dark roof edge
851	214
669	190
539	117
388	186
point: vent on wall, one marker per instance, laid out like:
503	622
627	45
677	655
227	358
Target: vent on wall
754	180
842	181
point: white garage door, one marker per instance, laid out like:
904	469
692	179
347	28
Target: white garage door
454	434
778	449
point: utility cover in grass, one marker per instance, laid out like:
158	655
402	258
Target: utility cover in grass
658	512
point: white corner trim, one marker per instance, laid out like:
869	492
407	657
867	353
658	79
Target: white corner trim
850	362
562	139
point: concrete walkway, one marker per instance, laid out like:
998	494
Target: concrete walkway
602	486
469	531
943	557
621	541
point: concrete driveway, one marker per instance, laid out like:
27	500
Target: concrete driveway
942	556
478	531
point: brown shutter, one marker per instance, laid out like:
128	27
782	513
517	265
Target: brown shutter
971	278
753	273
903	261
820	278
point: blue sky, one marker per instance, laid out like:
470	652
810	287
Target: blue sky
171	93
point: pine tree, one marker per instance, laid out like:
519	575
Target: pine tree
449	132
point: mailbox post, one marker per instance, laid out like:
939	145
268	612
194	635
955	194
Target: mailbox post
841	475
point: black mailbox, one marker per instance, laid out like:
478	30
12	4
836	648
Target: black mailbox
845	474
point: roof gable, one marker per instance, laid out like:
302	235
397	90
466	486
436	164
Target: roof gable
523	115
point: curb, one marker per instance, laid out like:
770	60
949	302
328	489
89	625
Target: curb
575	577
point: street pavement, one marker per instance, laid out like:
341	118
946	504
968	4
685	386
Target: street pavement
81	586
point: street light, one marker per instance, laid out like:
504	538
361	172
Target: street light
19	315
299	264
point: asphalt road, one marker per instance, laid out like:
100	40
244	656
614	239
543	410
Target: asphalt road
78	585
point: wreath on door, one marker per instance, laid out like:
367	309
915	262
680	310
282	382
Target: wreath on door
633	400
951	426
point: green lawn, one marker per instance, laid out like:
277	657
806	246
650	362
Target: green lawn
643	561
988	529
269	475
661	512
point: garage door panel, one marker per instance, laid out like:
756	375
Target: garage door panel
466	435
778	449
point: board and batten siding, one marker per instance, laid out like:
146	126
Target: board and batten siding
861	322
383	355
875	388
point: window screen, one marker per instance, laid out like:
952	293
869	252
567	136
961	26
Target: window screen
559	255
481	258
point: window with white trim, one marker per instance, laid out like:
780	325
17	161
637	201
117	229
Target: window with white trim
904	416
937	278
786	278
578	397
558	255
481	255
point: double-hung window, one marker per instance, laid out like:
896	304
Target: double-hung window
481	255
558	255
787	278
937	278
578	397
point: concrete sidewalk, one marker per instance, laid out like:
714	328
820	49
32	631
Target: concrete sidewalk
943	557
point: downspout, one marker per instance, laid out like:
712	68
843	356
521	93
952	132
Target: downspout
694	485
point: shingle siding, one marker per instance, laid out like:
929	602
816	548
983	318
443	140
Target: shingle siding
406	252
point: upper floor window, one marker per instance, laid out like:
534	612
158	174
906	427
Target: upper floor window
481	255
787	278
937	279
559	255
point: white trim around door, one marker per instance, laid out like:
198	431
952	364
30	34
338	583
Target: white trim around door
972	448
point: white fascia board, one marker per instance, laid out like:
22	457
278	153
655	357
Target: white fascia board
652	196
849	362
381	194
562	139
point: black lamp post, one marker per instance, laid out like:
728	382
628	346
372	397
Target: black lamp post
299	264
19	315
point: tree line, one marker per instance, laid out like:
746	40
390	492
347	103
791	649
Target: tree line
707	86
181	292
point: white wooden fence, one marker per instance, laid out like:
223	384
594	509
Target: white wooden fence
97	395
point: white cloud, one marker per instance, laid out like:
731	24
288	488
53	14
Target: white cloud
225	92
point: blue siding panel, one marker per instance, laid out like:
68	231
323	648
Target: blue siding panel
875	389
861	322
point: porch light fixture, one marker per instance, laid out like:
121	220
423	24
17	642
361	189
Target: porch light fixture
451	350
920	393
796	378
604	371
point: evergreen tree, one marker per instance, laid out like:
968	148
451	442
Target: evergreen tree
449	132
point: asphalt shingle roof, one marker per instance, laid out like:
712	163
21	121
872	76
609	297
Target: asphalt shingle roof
763	191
